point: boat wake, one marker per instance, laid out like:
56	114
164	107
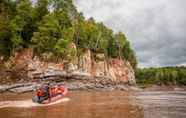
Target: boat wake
29	103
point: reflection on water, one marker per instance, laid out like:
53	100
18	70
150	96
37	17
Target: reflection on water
81	105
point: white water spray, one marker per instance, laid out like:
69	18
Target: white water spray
28	103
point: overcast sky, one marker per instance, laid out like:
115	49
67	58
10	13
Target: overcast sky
155	28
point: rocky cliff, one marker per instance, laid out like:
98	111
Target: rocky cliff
84	73
115	69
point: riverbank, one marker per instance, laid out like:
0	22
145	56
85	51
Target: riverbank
87	86
73	81
24	71
72	86
164	88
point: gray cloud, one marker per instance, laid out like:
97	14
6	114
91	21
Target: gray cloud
156	28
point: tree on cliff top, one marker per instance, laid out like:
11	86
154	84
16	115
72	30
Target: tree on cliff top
7	11
54	34
22	24
49	26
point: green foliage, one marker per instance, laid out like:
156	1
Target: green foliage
50	26
162	76
61	46
22	25
112	48
40	10
6	11
53	35
119	47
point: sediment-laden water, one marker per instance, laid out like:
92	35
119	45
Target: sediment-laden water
162	104
115	104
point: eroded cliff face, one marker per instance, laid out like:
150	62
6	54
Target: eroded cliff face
115	69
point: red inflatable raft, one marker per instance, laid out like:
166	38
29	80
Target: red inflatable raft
54	93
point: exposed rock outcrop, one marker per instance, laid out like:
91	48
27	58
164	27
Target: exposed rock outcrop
116	69
85	73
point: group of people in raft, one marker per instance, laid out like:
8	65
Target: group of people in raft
47	92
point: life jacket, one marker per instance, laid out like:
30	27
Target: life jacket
60	90
56	90
39	92
42	92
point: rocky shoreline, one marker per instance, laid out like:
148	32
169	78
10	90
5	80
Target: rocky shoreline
24	80
86	73
77	81
30	87
72	82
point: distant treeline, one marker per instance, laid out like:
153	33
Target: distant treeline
161	76
49	26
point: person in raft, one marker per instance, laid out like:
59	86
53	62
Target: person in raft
44	93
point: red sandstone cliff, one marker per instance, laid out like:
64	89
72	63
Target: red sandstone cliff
116	69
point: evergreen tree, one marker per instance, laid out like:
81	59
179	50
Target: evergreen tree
49	26
53	34
22	24
7	9
40	10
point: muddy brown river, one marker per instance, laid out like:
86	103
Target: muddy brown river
81	104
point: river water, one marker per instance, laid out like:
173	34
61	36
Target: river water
81	104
